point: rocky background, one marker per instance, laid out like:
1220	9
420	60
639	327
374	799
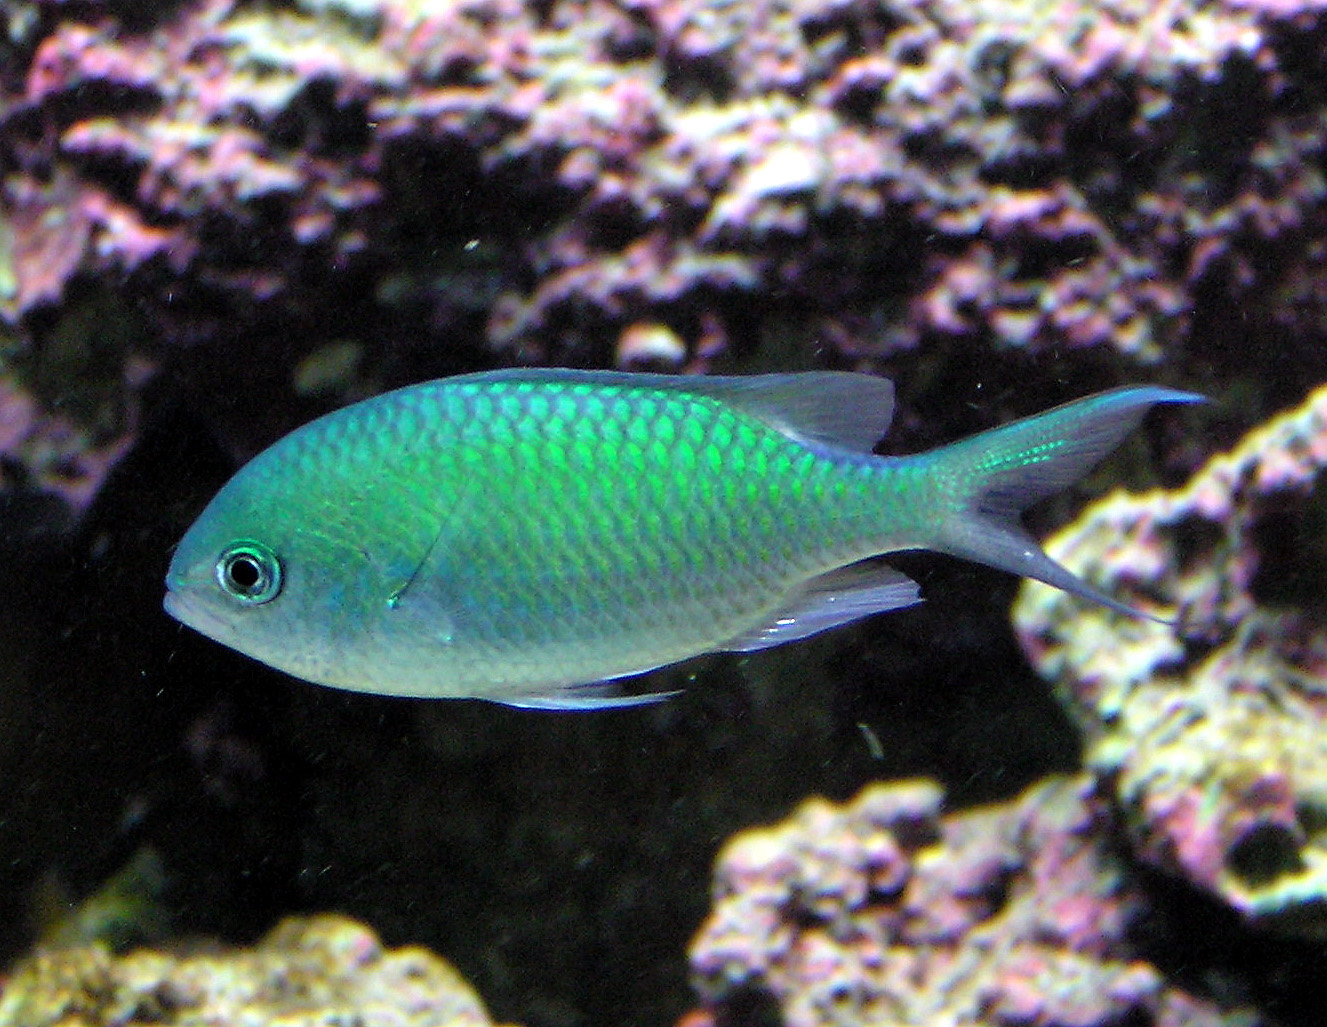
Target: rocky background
219	219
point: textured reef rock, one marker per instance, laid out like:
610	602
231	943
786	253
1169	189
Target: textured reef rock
1059	161
558	180
45	452
884	911
307	971
1213	736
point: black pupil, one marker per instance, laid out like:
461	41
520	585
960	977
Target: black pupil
245	573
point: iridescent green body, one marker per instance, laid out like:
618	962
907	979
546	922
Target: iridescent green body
519	536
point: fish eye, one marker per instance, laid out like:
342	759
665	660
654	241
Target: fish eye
250	572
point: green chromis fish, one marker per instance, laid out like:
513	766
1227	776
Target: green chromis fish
531	536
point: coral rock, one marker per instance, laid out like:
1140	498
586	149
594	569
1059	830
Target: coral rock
1214	734
885	911
307	971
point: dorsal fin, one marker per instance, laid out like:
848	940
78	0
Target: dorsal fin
835	408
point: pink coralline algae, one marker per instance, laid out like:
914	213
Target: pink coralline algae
886	911
1213	734
1038	174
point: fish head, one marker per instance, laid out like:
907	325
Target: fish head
270	570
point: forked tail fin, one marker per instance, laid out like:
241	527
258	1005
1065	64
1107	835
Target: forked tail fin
991	478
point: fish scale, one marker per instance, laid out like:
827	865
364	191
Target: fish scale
594	576
531	536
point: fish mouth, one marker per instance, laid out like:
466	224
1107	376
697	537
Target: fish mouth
187	610
174	604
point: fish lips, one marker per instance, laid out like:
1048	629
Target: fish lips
186	609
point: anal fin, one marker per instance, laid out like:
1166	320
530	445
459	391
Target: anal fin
843	595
